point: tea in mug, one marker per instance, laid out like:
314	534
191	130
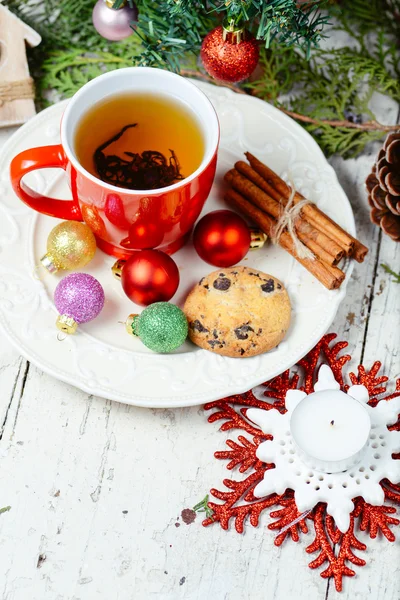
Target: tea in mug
139	141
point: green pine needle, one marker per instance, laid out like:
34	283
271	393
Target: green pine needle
5	509
202	506
396	276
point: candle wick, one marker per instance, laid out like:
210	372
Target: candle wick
332	422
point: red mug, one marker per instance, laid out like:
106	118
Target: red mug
122	220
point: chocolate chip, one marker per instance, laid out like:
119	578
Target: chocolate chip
222	284
242	332
269	286
201	280
259	331
214	343
215	334
279	286
242	351
222	275
234	272
206	286
255	274
198	326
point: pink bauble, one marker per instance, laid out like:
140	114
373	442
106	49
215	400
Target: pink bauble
113	24
79	296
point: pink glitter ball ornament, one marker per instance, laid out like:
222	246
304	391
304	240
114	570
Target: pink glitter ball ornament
79	298
113	24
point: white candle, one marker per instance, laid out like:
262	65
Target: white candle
330	430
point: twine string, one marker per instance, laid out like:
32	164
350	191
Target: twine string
287	221
16	90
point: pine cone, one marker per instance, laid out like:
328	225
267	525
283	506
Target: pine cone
383	186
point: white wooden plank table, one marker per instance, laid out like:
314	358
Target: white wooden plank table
97	514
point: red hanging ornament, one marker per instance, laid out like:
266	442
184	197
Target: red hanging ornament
222	238
150	276
230	53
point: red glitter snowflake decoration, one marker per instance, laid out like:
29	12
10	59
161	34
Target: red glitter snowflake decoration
239	503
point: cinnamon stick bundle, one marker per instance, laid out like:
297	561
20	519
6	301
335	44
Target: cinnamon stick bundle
330	277
321	245
275	185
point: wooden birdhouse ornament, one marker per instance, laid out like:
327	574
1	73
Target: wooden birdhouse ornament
16	86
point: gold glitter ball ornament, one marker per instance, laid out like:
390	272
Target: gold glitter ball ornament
71	245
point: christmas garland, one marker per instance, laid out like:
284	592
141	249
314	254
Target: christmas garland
336	84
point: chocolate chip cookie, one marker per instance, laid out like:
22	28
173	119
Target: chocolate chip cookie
238	312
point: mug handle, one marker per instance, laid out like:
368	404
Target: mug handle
42	158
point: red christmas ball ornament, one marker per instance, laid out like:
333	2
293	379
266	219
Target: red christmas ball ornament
222	238
229	53
150	276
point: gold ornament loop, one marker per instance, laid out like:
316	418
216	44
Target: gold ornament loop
38	273
130	324
232	32
110	4
47	261
117	268
66	324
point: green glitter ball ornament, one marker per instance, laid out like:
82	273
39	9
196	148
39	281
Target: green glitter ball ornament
162	327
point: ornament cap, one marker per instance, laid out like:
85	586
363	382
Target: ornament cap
110	4
117	268
131	325
257	238
47	261
66	324
232	32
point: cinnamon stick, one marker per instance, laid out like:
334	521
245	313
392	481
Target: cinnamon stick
359	251
314	215
311	237
330	277
327	245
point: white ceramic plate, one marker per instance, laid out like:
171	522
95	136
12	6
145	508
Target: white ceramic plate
101	358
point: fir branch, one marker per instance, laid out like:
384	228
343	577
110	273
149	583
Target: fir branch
361	17
67	71
331	93
285	21
168	32
342	124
